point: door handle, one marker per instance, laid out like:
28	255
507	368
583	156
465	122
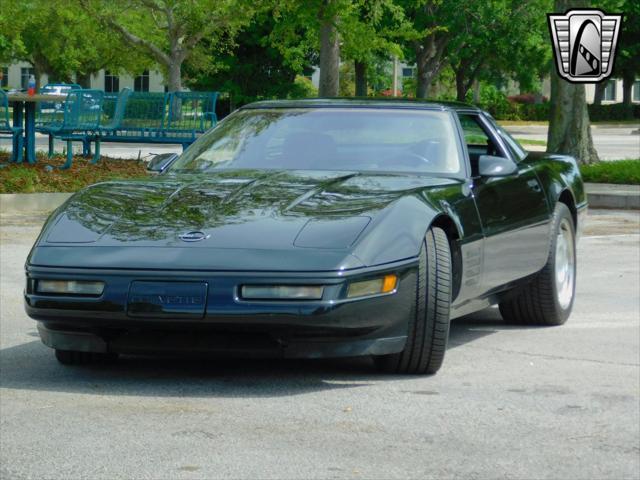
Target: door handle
534	185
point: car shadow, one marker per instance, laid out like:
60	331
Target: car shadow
32	366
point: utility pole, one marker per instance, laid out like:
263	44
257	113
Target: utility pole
395	76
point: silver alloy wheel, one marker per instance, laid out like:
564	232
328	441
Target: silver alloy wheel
565	264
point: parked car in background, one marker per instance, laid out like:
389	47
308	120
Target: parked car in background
56	89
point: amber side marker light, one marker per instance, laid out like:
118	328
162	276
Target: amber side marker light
376	286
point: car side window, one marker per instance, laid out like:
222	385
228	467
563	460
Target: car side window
478	140
514	147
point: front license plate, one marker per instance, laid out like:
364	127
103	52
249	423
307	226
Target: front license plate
167	299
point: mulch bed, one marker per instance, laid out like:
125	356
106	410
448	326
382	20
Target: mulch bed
45	177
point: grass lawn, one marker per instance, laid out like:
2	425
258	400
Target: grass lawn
618	171
527	141
25	178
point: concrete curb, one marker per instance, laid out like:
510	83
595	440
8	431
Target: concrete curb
606	195
28	203
600	195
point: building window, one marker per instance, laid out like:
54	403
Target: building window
610	91
4	77
407	72
636	91
141	82
25	73
111	82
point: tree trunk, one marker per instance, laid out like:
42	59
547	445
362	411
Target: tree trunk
461	88
361	79
424	79
429	62
476	91
174	83
627	89
329	59
569	128
599	93
83	79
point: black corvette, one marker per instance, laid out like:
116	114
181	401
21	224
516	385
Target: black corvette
313	229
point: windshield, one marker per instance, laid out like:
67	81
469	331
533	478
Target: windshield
361	139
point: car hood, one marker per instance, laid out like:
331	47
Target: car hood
287	213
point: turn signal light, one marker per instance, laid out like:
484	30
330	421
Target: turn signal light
376	286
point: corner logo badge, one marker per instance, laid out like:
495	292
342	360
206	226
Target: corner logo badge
584	44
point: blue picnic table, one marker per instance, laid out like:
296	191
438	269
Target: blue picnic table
24	113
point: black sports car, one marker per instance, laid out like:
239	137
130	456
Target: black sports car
313	228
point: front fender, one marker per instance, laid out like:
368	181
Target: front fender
397	233
559	173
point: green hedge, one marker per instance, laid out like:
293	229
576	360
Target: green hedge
616	111
540	112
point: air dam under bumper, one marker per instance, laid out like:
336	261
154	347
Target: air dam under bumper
229	326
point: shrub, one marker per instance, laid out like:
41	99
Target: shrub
614	111
303	88
525	98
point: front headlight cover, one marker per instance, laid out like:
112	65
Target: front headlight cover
281	292
70	287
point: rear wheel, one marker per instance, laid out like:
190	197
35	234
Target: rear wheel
429	323
548	299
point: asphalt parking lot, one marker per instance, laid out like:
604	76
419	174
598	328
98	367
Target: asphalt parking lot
510	402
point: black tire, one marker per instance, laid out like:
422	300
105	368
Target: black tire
70	357
540	302
429	320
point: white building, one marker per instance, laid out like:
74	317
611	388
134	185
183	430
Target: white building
613	93
17	75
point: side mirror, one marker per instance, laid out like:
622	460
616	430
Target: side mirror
160	163
490	166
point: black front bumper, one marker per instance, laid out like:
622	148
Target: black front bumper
331	327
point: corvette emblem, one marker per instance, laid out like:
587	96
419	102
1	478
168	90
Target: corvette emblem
584	44
194	236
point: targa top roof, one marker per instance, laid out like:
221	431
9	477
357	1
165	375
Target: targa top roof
358	102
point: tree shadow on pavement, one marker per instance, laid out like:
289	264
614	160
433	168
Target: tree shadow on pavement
32	366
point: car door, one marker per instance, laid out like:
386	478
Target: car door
513	209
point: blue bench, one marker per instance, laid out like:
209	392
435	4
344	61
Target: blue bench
143	117
80	121
132	117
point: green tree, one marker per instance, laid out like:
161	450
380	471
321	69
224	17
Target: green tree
372	31
498	39
430	31
59	40
253	69
171	31
312	25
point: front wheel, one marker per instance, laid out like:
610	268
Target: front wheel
548	299
429	321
